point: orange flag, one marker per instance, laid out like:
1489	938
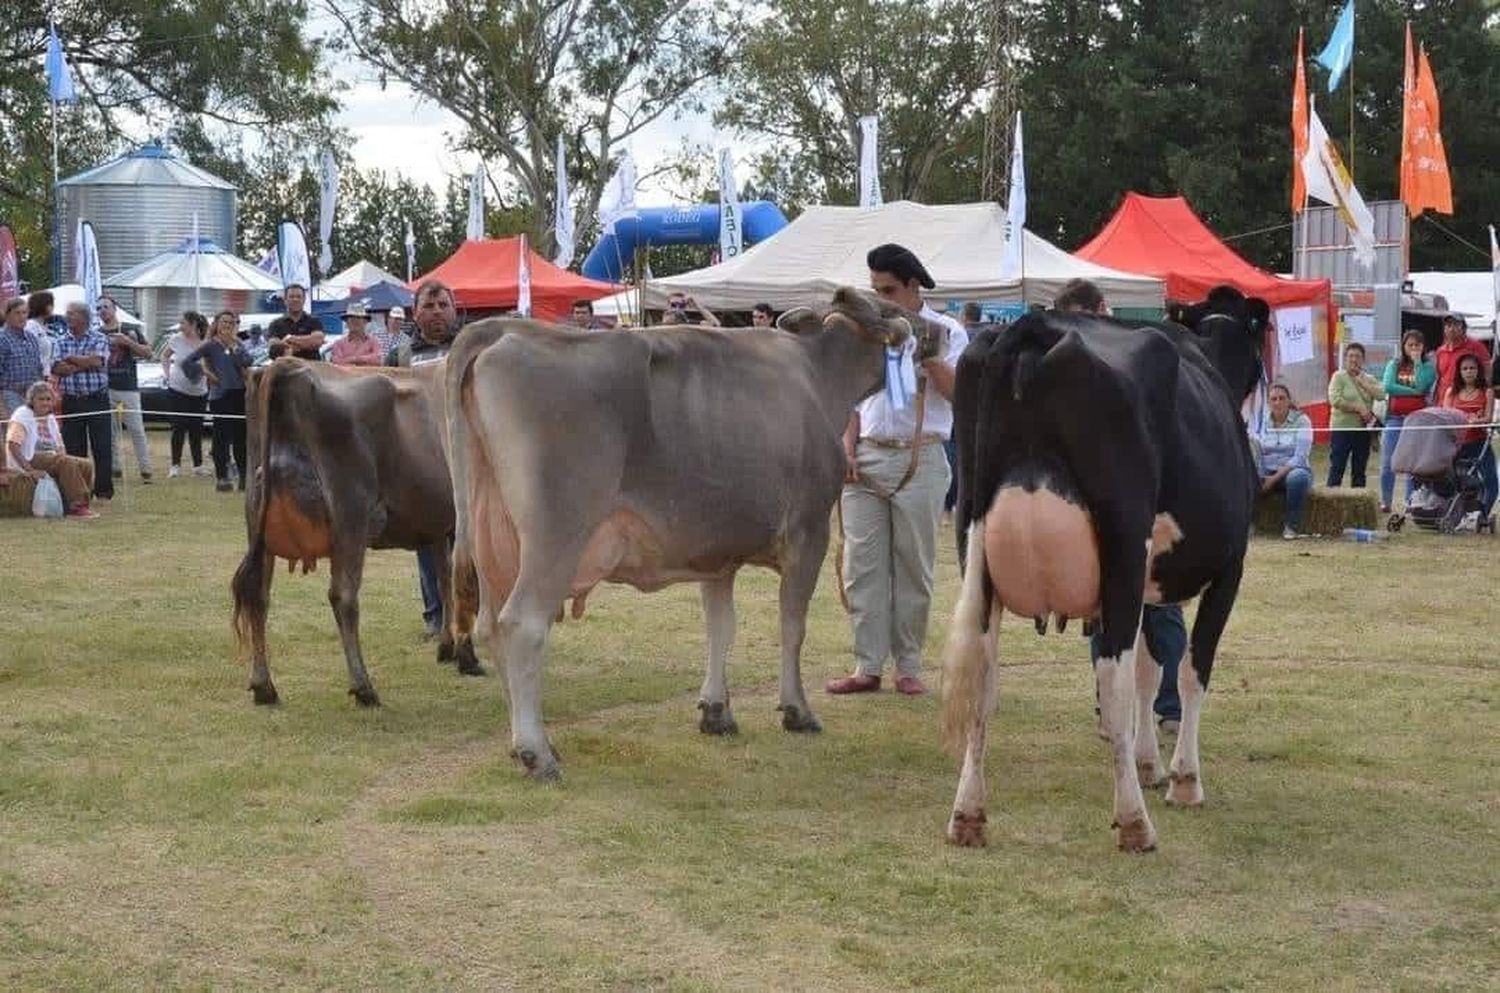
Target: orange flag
1299	132
1425	181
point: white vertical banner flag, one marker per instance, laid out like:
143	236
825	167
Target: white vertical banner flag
411	251
475	229
869	162
291	255
617	202
731	233
1014	262
1330	182
562	227
329	190
86	268
523	280
1495	266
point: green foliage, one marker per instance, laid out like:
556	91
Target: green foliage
520	72
237	63
809	70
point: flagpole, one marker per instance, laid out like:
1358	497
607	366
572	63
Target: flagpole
1351	118
56	205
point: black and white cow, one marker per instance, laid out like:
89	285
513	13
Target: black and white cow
1101	467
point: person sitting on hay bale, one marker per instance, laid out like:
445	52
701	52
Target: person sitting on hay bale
1283	441
34	446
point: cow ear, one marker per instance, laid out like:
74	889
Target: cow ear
860	306
800	320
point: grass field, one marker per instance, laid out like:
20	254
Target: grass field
157	831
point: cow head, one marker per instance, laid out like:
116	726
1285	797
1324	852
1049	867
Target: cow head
887	322
1230	328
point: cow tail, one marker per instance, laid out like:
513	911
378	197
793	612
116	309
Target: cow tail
249	582
964	657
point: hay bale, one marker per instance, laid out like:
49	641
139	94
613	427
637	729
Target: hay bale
1326	511
15	498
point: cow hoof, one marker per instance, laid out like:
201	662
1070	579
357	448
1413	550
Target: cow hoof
796	719
716	718
446	652
967	830
1137	835
265	696
544	770
365	696
1149	772
468	662
1184	790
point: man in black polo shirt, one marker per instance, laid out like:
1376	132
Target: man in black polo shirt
297	333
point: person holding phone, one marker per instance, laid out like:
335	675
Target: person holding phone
687	311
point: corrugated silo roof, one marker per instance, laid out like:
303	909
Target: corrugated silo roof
149	165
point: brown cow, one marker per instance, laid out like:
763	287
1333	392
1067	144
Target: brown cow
344	459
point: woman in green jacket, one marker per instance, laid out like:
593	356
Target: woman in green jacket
1408	380
1351	393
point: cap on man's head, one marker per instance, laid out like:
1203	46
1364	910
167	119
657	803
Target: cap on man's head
1456	319
901	262
396	314
357	310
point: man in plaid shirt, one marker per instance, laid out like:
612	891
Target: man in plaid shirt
20	357
80	362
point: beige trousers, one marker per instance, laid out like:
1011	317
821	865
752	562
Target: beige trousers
890	545
74	475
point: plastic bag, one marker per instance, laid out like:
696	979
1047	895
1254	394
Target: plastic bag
47	501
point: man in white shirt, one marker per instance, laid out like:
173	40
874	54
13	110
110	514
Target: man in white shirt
891	538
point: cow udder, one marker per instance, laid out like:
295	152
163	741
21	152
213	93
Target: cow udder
291	534
1042	554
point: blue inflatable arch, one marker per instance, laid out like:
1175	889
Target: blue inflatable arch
694	225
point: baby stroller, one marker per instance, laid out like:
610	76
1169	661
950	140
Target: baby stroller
1447	487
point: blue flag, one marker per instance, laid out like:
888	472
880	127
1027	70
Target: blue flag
59	78
1339	52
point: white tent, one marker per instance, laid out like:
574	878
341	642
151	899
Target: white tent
209	279
359	276
70	293
1470	293
960	244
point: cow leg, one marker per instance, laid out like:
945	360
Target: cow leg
800	566
1117	695
257	597
718	613
1147	681
455	644
1185	782
523	626
966	825
343	595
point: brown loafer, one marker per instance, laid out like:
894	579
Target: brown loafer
857	683
910	685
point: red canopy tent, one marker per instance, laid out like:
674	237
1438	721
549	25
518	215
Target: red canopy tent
486	275
1163	237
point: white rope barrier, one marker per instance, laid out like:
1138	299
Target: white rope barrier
120	411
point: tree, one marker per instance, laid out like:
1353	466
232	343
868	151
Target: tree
1173	96
809	69
239	63
518	73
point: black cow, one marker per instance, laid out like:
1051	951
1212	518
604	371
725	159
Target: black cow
345	459
1101	467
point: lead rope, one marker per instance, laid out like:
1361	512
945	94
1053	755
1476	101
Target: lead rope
911	470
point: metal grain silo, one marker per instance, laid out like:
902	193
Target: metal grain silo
141	205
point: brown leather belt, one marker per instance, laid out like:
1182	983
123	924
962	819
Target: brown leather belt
926	439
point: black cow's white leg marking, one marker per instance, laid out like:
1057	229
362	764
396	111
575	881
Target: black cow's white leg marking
1147	681
1185	783
1117	696
966	825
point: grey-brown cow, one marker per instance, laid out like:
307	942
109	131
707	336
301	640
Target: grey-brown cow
344	459
653	457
